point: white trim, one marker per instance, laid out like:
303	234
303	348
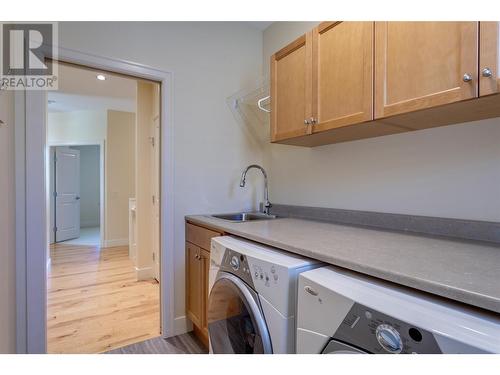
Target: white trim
20	168
36	227
102	180
89	223
144	273
117	242
34	232
182	325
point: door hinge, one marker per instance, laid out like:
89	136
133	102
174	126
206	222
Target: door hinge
55	229
154	257
55	193
152	140
153	198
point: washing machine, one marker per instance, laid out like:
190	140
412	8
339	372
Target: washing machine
339	311
252	300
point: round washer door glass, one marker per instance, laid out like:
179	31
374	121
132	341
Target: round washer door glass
235	322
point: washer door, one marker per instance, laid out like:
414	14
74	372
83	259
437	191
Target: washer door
336	347
235	321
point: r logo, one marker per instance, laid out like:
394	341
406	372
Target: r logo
22	49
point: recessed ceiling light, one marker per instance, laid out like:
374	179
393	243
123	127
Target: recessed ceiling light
101	77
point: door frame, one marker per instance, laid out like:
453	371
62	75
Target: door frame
102	183
31	215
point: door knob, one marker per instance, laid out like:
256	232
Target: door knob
486	72
77	198
467	77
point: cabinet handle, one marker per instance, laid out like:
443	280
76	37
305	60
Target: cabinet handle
310	121
467	77
486	72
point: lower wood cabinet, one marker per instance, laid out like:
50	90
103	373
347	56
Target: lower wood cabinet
197	268
195	285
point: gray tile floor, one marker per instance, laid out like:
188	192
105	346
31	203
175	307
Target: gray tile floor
182	344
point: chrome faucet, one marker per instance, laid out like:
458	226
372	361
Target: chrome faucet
267	204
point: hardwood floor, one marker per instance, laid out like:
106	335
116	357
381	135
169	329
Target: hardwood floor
94	302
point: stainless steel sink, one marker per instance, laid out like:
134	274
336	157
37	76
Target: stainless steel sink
245	216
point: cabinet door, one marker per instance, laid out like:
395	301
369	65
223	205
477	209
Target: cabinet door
205	267
342	74
489	59
194	281
424	64
291	89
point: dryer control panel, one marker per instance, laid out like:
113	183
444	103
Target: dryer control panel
377	332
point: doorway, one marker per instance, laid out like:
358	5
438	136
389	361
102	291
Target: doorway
31	234
76	190
104	217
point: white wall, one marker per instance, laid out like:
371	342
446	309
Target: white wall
76	127
146	99
120	175
210	61
89	185
452	171
7	226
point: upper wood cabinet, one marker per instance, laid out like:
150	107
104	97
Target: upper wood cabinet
421	65
352	80
489	59
342	74
291	89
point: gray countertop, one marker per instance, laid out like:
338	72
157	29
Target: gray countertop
464	271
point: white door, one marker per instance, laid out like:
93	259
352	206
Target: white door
155	154
67	193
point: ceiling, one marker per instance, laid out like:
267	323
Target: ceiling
260	25
79	89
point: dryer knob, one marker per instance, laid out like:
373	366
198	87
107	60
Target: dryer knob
388	337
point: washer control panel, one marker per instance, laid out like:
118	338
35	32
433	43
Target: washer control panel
265	274
237	264
252	271
377	332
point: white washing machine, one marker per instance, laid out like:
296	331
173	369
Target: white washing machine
252	302
345	312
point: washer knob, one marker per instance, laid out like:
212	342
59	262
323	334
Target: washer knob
389	339
235	263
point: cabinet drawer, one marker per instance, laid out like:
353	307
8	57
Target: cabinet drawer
200	236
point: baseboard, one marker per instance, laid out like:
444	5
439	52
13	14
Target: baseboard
144	273
117	242
89	224
182	325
